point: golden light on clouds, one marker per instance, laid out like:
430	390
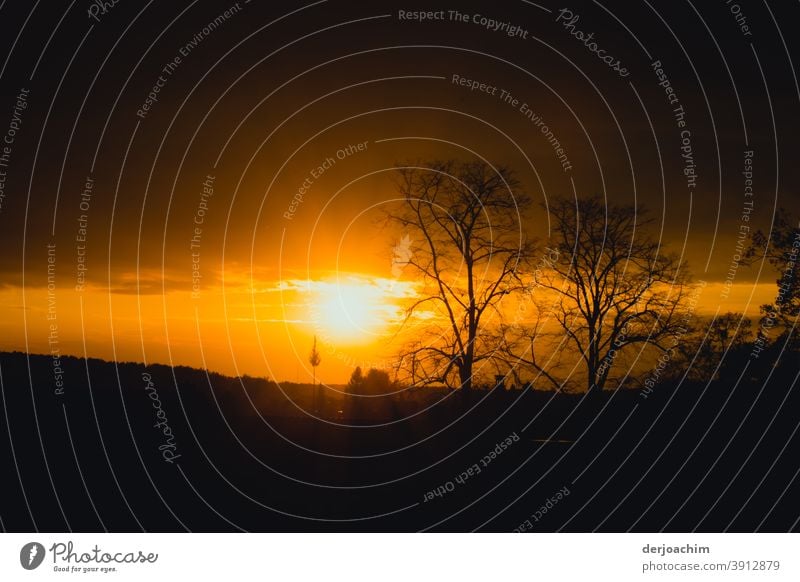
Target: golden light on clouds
355	309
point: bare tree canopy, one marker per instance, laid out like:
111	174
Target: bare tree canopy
468	245
608	288
714	346
781	248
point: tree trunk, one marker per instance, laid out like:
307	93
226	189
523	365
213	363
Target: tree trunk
596	380
472	328
600	382
465	375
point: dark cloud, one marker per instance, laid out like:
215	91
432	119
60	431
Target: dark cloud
260	106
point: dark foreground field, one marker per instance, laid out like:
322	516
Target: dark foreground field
242	455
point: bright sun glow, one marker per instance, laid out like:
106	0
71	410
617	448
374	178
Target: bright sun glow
356	309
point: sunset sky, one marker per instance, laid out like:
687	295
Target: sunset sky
239	213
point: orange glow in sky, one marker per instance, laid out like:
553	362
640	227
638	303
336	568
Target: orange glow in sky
263	331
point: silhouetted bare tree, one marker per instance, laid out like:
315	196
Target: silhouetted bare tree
467	246
610	287
781	248
701	351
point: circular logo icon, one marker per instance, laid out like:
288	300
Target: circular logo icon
31	555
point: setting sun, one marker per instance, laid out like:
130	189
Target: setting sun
356	309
